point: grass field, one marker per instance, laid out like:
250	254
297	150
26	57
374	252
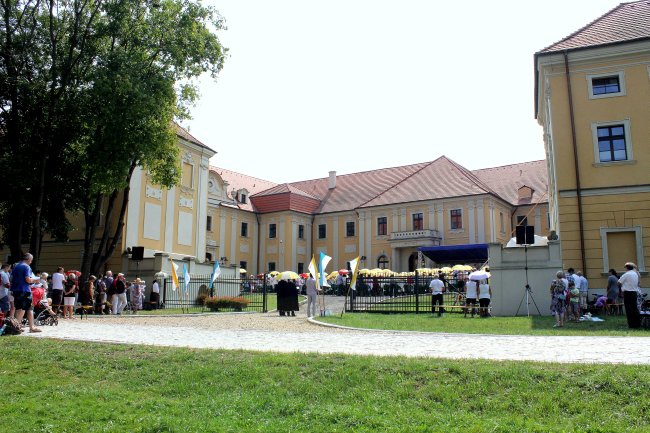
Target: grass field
60	386
271	304
454	322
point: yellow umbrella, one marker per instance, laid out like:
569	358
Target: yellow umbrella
423	271
376	272
364	272
333	274
462	268
273	273
242	271
446	270
288	275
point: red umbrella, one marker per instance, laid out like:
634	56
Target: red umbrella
304	275
343	272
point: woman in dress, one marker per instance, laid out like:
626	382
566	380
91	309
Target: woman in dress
69	293
137	290
484	296
558	297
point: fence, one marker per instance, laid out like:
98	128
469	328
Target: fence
191	299
401	295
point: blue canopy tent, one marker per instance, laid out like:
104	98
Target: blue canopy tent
470	253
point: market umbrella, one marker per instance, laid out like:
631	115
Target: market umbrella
364	272
242	271
479	275
343	271
446	270
462	268
273	273
288	275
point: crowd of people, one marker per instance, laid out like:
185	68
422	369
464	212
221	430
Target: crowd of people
22	290
469	292
569	295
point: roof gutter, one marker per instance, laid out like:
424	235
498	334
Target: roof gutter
575	162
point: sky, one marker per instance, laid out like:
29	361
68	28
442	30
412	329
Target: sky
312	86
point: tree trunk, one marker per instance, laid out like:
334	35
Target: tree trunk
36	236
108	218
117	235
91	218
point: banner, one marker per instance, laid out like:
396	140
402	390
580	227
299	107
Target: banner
175	284
322	264
354	266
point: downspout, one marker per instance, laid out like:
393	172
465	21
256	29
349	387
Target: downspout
259	239
575	162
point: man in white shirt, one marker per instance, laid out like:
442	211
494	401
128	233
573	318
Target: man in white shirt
155	295
583	285
629	284
437	287
58	280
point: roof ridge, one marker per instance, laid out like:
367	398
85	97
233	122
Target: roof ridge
362	172
593	22
507	165
215	168
402	180
471	176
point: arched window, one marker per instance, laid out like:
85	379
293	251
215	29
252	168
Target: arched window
382	262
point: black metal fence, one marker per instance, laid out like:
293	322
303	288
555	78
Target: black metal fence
402	295
191	299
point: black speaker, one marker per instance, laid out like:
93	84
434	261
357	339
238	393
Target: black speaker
137	253
525	235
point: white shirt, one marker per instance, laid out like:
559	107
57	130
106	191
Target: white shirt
583	285
4	282
155	288
629	281
310	286
484	291
57	281
436	286
471	290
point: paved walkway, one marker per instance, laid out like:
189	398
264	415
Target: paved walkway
260	332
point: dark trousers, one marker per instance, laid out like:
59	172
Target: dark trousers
57	300
155	300
484	303
437	299
472	302
632	309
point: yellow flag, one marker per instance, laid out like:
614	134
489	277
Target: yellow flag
175	284
354	265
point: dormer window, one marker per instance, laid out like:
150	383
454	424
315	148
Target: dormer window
240	195
242	198
525	192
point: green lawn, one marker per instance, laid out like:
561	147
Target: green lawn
271	304
454	322
61	386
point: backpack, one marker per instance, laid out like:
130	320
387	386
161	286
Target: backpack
11	326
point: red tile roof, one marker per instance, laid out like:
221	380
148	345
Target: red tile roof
285	188
185	135
506	181
626	22
237	181
442	178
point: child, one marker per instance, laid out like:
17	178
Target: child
574	299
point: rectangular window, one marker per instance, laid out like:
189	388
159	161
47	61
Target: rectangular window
502	222
611	143
208	224
522	220
349	228
271	266
301	231
243	265
242	198
418	221
301	268
604	85
322	231
382	226
244	230
272	231
456	218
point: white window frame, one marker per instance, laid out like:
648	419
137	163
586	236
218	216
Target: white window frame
628	142
621	84
462	225
638	236
412	220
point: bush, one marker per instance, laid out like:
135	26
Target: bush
216	303
200	299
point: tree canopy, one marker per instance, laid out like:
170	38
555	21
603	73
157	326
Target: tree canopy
89	90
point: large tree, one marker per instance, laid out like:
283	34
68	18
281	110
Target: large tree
88	94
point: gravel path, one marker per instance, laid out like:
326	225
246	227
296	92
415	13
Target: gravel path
260	332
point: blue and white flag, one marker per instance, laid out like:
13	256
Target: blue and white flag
322	264
215	273
186	277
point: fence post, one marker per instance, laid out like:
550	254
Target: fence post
264	306
417	293
164	292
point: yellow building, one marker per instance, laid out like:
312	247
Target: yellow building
381	215
592	98
167	223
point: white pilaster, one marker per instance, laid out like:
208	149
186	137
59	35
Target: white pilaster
432	216
395	221
369	223
335	242
402	220
471	223
362	234
256	236
310	234
169	219
133	210
481	221
234	260
441	222
293	244
493	229
202	209
538	221
281	247
262	231
222	235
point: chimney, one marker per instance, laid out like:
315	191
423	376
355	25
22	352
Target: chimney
331	184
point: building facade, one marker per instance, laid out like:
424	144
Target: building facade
592	99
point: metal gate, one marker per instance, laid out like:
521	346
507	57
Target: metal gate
191	299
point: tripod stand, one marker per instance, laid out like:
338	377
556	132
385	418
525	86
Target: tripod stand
528	294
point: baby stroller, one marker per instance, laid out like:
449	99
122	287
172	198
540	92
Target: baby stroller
644	311
44	316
